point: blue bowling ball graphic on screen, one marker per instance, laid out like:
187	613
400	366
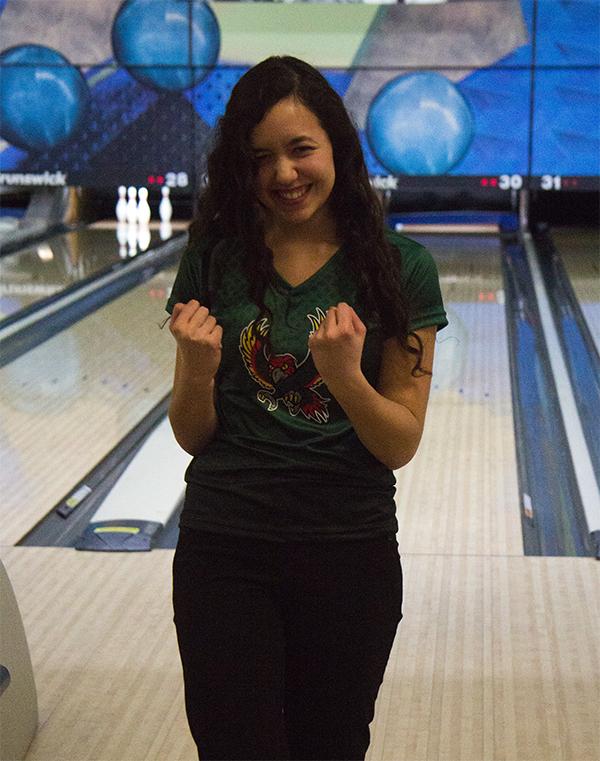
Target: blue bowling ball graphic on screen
155	41
43	98
419	124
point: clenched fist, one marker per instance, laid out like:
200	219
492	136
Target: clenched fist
198	338
337	345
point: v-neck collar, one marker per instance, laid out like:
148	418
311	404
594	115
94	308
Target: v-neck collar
283	285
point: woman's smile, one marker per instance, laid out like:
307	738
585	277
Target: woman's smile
293	195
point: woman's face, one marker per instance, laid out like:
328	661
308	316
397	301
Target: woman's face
296	173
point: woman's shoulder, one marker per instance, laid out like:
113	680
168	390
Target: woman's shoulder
204	262
414	259
406	247
218	247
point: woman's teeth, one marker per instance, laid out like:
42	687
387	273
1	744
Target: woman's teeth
292	195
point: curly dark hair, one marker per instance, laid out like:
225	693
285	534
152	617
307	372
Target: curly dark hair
228	206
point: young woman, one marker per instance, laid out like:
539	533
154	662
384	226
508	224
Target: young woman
305	336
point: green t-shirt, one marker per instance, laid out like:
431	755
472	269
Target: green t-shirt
286	463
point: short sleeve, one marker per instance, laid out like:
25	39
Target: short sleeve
422	283
425	296
188	281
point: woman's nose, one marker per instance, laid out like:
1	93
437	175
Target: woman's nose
285	171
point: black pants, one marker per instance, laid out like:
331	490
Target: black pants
284	646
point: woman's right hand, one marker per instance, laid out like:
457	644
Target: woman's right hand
198	338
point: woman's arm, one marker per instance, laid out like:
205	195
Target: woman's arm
192	412
388	420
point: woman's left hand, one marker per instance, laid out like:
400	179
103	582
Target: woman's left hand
337	345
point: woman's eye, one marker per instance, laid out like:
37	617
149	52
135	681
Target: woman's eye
303	149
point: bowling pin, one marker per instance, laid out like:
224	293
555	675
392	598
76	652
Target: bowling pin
131	205
144	236
122	239
165	209
121	208
143	208
132	239
165	230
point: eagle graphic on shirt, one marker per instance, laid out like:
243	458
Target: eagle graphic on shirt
280	376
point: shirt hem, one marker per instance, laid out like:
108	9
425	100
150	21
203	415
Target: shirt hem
281	536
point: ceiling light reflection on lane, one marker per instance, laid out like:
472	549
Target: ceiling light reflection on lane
45	253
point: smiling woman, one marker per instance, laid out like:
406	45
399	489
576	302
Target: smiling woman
305	333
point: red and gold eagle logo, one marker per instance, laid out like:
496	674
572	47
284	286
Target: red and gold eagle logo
280	376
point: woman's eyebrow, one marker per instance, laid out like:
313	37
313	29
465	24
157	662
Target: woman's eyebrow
293	141
301	139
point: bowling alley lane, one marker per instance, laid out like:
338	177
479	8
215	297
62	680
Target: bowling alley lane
460	494
578	249
65	404
45	268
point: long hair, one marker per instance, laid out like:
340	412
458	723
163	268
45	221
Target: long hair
228	206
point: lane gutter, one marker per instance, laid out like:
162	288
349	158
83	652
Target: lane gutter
557	515
578	346
585	477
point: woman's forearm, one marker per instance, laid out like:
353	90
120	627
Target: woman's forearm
192	412
387	429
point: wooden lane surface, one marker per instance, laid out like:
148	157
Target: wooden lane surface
68	402
460	494
104	654
496	658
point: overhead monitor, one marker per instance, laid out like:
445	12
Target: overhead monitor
475	93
